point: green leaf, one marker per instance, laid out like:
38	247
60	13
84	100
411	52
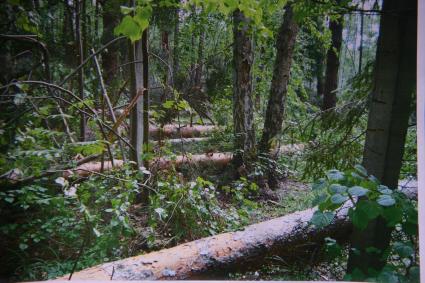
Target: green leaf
168	104
319	184
335	175
23	246
19	98
410	228
142	17
333	250
319	199
357	191
361	170
322	219
337	189
126	10
385	200
9	199
384	190
393	215
359	218
414	274
370	208
96	232
161	213
373	250
129	28
403	249
388	277
338	199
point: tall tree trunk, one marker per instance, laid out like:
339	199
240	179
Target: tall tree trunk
68	33
80	56
136	114
278	91
199	64
110	57
361	39
332	65
243	121
320	63
146	101
395	76
176	65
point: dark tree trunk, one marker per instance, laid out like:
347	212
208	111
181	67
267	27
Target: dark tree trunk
395	76
361	39
176	65
278	91
320	61
110	57
199	64
332	65
68	34
243	121
80	56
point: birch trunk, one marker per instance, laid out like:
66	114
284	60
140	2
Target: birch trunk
136	114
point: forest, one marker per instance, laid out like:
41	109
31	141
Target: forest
208	139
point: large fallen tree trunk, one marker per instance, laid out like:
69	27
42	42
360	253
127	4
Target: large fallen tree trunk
172	131
283	236
216	160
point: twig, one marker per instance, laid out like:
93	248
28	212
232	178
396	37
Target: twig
108	101
93	115
89	58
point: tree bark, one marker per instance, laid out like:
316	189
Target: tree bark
110	57
146	101
391	99
174	131
278	91
217	160
80	55
289	236
176	55
136	114
320	61
243	116
332	65
361	39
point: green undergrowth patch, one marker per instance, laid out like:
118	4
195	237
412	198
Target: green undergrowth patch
292	196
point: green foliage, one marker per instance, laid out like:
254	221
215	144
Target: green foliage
194	206
370	200
65	217
336	137
135	21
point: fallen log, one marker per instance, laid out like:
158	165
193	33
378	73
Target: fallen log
279	236
87	169
183	141
285	236
217	160
174	131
